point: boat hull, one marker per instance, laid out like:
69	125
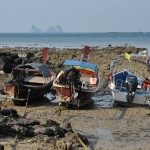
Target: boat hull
140	98
81	97
22	92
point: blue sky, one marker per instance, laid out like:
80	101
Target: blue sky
75	15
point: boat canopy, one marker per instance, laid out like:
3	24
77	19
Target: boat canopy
81	65
43	68
123	74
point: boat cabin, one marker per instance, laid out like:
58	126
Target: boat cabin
119	79
83	74
33	73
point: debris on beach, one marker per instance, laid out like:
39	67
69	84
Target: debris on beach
13	125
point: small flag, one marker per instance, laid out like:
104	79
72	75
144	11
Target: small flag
85	56
45	56
127	56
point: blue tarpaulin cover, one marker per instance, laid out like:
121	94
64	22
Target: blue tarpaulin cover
81	64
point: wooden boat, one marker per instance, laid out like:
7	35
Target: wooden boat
29	81
128	88
77	81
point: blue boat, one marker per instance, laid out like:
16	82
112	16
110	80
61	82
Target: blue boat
127	88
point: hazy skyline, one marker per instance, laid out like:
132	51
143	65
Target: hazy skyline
75	15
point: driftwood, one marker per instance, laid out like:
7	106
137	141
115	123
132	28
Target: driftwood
79	139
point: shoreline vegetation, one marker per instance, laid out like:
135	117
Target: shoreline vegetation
109	128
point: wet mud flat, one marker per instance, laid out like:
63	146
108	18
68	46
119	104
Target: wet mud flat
19	132
104	125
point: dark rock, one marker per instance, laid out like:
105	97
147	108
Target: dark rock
14	56
58	131
7	130
6	66
2	63
44	130
30	55
24	131
14	112
18	61
10	59
26	122
51	122
8	112
2	54
1	147
5	112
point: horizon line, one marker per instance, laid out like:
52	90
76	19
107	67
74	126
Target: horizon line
73	32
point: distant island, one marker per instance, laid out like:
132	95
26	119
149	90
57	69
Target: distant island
51	29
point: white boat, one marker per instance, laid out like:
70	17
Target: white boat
127	88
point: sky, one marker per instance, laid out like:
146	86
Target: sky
75	15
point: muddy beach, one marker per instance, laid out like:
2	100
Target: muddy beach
104	125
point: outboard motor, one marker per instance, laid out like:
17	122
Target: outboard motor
131	86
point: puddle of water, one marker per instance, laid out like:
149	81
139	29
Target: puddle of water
51	97
103	133
103	100
2	139
100	137
5	140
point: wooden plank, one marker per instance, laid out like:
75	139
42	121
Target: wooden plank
36	79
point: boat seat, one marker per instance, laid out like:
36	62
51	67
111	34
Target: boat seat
36	79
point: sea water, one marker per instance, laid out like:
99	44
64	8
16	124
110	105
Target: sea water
74	40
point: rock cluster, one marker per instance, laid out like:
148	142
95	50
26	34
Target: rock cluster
8	61
11	124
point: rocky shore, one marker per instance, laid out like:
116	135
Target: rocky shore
100	56
104	128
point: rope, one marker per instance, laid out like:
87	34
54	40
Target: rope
59	113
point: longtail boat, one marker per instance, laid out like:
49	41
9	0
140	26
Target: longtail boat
77	81
30	81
